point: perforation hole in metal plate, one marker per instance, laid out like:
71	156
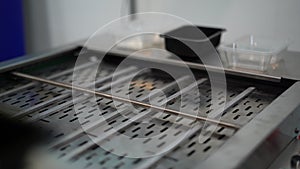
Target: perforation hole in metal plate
30	96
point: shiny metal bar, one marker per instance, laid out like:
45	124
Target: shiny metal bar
51	77
35	107
116	98
78	133
98	140
76	100
151	161
82	149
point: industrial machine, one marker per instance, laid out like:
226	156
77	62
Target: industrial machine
259	120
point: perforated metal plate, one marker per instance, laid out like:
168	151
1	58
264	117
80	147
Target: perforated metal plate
52	108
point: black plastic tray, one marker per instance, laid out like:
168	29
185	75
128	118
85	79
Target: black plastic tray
180	41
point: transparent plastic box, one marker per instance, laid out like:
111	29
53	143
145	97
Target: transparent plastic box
252	52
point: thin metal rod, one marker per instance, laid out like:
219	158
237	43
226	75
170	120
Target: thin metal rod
79	99
113	114
75	153
35	107
89	64
108	96
151	161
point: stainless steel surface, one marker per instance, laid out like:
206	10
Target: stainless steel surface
108	96
284	160
275	124
92	126
196	128
101	138
267	117
286	68
116	74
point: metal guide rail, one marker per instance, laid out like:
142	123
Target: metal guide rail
41	95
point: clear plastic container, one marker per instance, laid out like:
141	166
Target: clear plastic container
252	53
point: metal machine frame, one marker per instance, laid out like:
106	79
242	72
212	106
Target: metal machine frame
255	145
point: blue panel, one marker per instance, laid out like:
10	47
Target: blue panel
11	29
